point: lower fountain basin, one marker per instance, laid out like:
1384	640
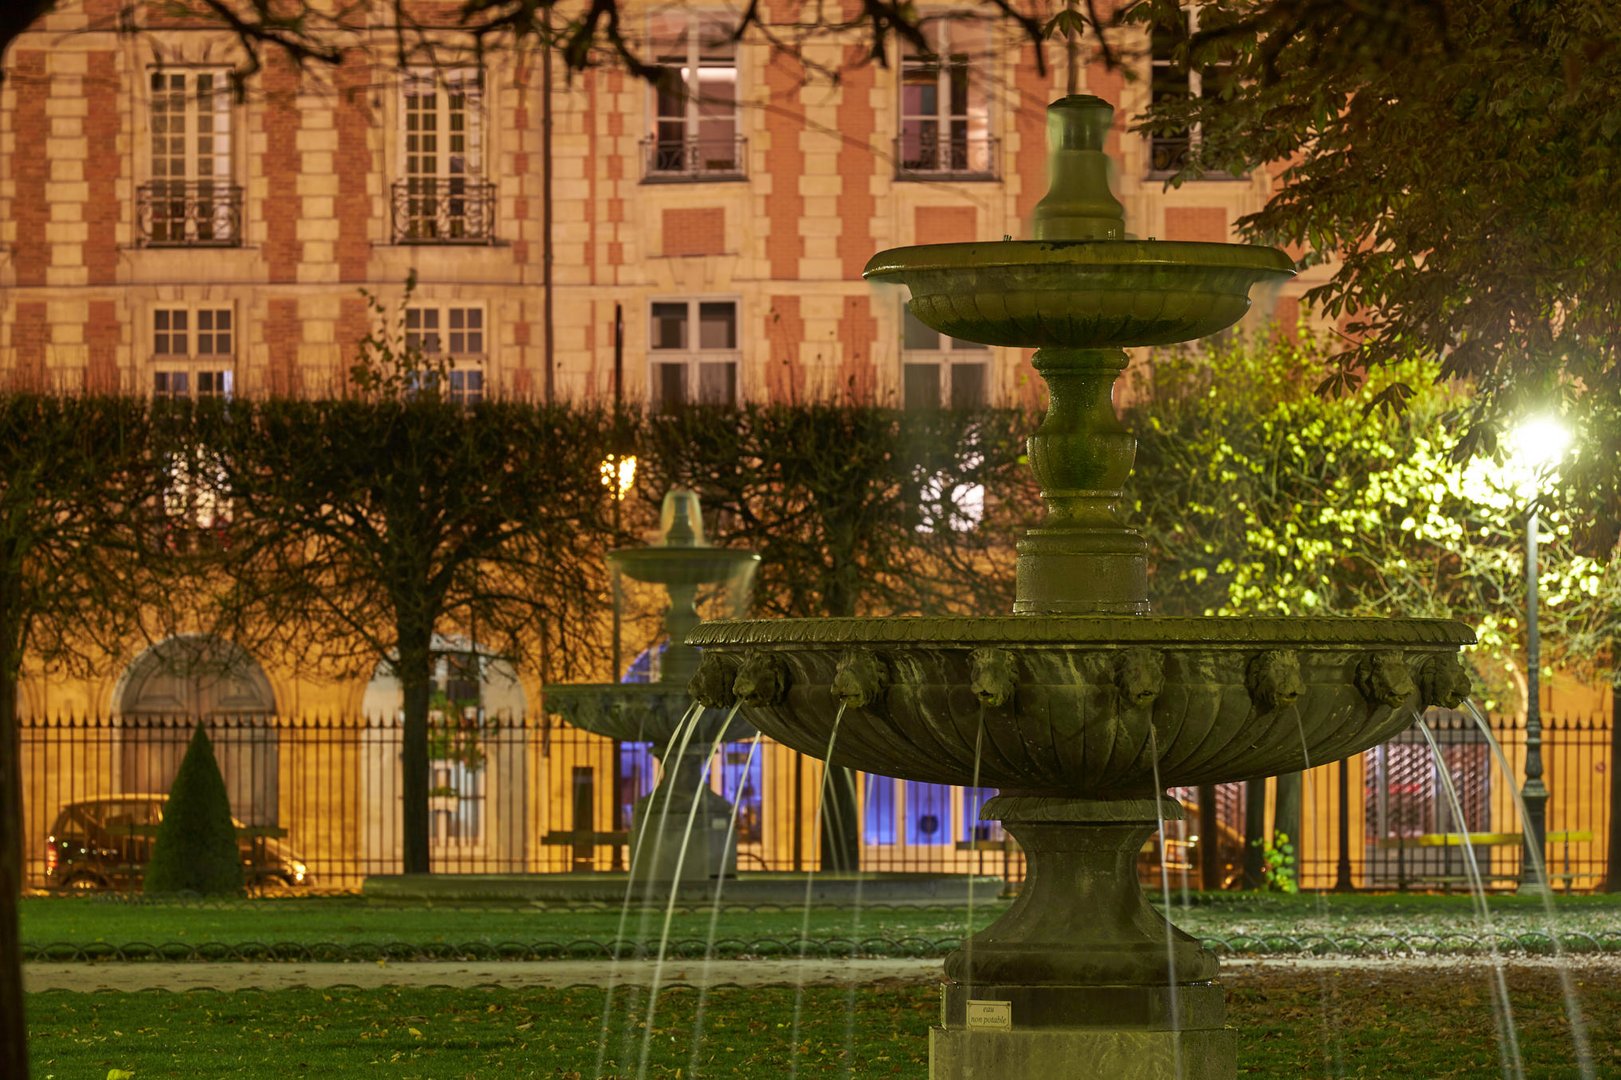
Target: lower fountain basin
638	712
1081	706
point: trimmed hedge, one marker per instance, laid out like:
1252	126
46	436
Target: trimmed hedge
197	849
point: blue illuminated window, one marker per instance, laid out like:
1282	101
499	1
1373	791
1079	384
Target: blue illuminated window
740	784
973	798
636	775
928	813
880	813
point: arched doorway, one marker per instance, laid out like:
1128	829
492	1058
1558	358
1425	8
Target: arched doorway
193	679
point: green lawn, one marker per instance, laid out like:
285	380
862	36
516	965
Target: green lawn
1252	922
352	921
1291	1024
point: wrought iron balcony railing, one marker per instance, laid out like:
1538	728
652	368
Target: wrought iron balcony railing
189	213
444	210
1168	153
922	154
692	159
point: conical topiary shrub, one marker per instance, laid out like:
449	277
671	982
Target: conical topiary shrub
196	849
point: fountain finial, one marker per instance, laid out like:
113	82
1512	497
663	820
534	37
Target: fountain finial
1078	204
681	519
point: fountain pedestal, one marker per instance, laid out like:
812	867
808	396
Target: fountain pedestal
663	849
1081	707
1081	968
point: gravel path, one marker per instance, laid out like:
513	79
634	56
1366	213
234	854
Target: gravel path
82	977
519	973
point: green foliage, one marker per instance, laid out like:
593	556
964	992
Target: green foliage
82	479
197	849
367	525
388	363
1258	496
83	483
1458	159
856	509
1278	863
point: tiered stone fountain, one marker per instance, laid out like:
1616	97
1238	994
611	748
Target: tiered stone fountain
683	563
1081	707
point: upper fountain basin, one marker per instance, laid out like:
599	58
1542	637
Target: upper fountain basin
637	712
1084	294
681	566
1081	706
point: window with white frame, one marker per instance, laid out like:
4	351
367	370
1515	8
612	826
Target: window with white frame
453	334
193	356
442	195
940	371
693	353
945	120
193	351
694	98
1172	77
190	198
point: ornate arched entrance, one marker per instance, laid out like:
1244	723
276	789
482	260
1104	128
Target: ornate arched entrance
185	680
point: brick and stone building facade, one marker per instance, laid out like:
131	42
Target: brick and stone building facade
158	232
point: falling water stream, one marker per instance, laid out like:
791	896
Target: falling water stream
675	887
638	857
714	920
1573	1007
855	939
810	882
968	936
1170	931
1331	1030
1508	1041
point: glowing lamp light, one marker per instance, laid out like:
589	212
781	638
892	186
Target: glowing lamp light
1539	442
618	475
1532	451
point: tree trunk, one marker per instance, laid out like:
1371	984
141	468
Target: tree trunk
840	831
13	1031
415	671
1209	845
1612	865
1286	818
1254	833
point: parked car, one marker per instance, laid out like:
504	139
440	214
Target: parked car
106	844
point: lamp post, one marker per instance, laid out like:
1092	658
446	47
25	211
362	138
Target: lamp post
618	475
1536	447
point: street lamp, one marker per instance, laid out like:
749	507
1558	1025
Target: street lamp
1534	450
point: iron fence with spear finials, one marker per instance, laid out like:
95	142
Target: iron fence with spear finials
527	795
